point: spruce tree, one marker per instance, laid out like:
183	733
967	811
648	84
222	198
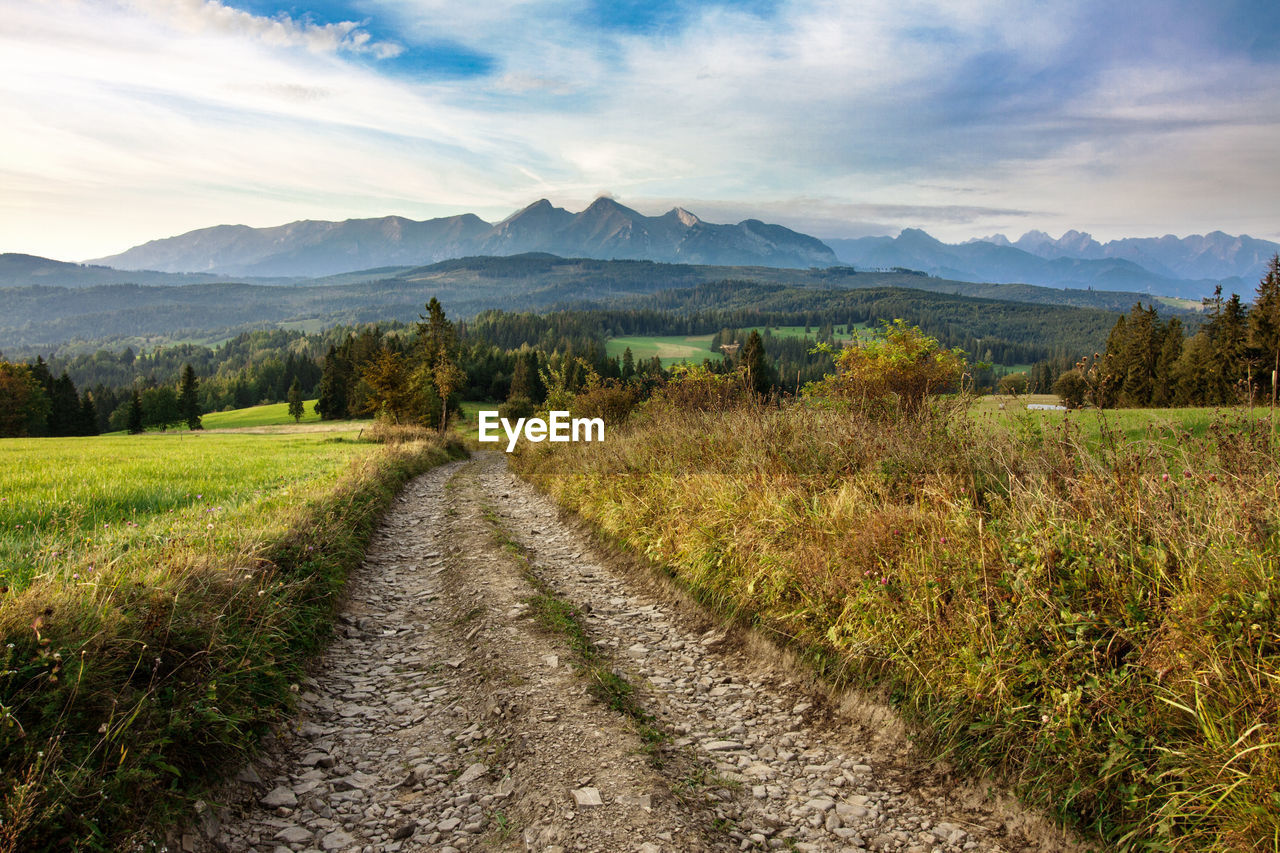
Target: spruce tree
135	413
334	380
753	363
1164	391
64	411
1264	323
296	410
88	422
188	402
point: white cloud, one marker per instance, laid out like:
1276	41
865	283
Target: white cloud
211	16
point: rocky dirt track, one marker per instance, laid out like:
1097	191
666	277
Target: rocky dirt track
447	715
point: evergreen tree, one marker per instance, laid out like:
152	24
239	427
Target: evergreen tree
1264	323
188	401
753	363
296	410
629	364
1194	372
135	413
64	409
1164	391
334	381
88	422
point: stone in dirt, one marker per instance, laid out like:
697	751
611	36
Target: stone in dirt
722	745
472	773
587	797
294	835
281	796
337	840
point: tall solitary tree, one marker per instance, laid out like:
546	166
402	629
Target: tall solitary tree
188	403
296	410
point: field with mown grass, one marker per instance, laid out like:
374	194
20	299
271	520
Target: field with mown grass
1095	621
161	593
1132	425
272	414
674	349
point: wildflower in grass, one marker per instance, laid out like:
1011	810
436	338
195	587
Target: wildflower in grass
1164	477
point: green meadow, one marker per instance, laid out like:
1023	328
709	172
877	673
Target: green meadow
273	414
673	349
70	503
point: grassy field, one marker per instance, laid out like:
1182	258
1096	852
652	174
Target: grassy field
69	503
1166	426
1097	622
160	594
673	349
274	414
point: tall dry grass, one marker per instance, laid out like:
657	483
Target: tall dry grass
1098	622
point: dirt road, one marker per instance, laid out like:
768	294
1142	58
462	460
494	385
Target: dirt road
466	705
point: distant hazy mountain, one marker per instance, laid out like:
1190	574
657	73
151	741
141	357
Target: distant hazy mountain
605	230
1165	266
1200	256
26	270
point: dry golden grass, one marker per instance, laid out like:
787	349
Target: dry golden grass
1099	621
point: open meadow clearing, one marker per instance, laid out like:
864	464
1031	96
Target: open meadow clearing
1165	425
272	414
673	349
68	503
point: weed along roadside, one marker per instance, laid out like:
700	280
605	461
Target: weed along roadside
1096	623
137	672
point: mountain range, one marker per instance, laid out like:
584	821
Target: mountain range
606	230
1187	267
368	249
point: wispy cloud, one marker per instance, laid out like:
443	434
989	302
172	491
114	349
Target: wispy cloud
280	30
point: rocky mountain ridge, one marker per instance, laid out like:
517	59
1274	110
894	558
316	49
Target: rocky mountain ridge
605	230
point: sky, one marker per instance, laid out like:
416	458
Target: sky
130	120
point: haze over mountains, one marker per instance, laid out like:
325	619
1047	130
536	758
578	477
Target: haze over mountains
606	230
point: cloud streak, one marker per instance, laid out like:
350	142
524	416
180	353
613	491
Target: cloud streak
281	30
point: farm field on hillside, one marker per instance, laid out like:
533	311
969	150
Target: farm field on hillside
273	414
70	502
673	349
1166	425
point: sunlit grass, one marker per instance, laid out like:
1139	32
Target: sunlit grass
69	503
272	414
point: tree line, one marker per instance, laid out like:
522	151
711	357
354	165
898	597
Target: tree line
1232	357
